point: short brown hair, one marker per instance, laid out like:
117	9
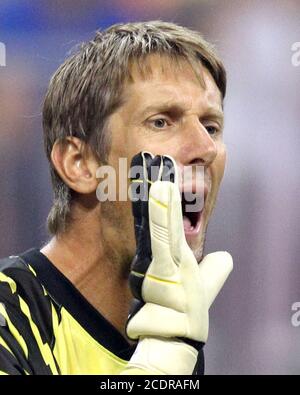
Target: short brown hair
87	87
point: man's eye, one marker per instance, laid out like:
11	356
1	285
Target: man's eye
159	123
212	130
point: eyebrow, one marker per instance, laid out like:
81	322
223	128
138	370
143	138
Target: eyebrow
165	107
178	109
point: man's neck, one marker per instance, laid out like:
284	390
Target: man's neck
95	277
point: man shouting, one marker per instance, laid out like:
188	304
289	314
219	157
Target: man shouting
154	92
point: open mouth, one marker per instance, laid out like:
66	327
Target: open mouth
191	213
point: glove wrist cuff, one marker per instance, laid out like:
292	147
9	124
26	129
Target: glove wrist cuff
164	356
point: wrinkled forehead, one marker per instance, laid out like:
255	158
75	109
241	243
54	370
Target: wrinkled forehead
154	65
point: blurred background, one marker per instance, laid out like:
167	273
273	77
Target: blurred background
258	215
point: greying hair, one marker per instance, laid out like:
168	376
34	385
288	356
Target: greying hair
87	88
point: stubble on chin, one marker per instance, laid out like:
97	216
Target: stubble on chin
198	250
116	239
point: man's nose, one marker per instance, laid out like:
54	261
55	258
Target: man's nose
197	145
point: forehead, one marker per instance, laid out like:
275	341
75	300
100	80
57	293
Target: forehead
163	79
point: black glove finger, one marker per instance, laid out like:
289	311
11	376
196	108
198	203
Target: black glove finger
169	169
140	186
154	169
150	170
162	168
139	183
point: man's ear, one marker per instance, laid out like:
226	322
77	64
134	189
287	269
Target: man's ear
76	164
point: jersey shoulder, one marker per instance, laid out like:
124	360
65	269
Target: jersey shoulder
21	290
18	279
26	313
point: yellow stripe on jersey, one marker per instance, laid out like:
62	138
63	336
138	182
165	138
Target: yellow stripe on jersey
43	347
14	331
35	275
9	281
32	270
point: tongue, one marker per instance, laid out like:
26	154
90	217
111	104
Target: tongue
187	223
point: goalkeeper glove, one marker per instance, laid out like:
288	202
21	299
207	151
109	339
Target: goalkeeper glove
173	293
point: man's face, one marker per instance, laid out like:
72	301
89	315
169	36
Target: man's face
168	113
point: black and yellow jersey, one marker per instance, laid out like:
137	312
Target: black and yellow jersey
47	327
